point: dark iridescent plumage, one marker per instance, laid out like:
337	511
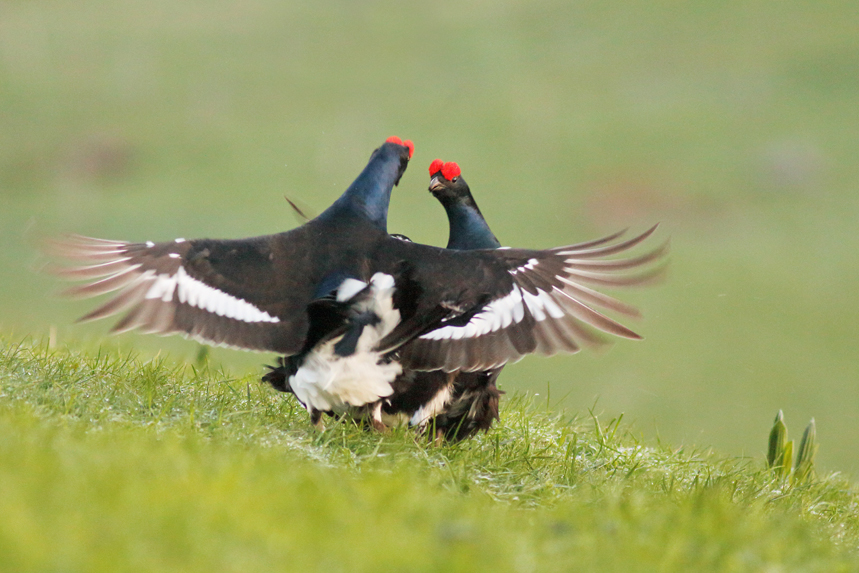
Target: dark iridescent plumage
456	311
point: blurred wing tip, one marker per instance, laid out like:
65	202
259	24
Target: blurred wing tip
653	276
73	293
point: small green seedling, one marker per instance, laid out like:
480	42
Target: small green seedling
780	452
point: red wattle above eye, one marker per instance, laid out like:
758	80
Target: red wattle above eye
450	170
406	143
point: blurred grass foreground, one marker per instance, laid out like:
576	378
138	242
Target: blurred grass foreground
112	463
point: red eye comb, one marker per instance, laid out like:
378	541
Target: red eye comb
406	143
450	170
435	166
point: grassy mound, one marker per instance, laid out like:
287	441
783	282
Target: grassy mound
109	462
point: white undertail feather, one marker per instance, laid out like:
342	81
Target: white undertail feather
434	407
349	288
329	382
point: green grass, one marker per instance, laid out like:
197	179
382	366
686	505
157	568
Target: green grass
735	126
113	463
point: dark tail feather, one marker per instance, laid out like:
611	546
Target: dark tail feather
474	406
278	376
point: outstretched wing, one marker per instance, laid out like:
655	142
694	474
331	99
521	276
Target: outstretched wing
473	310
547	303
232	293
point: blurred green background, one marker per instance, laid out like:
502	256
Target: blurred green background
734	124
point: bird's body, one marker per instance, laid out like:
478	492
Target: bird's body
347	305
453	405
343	369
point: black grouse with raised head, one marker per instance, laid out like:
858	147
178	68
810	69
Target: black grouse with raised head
454	405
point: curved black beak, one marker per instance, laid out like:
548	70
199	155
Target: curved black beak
436	182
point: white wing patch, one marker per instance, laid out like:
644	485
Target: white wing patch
190	291
526	267
501	313
542	304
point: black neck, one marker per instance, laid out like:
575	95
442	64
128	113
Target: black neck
370	194
468	228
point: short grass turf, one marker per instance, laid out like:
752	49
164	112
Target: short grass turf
732	124
112	463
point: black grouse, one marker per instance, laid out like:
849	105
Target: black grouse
343	297
454	405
